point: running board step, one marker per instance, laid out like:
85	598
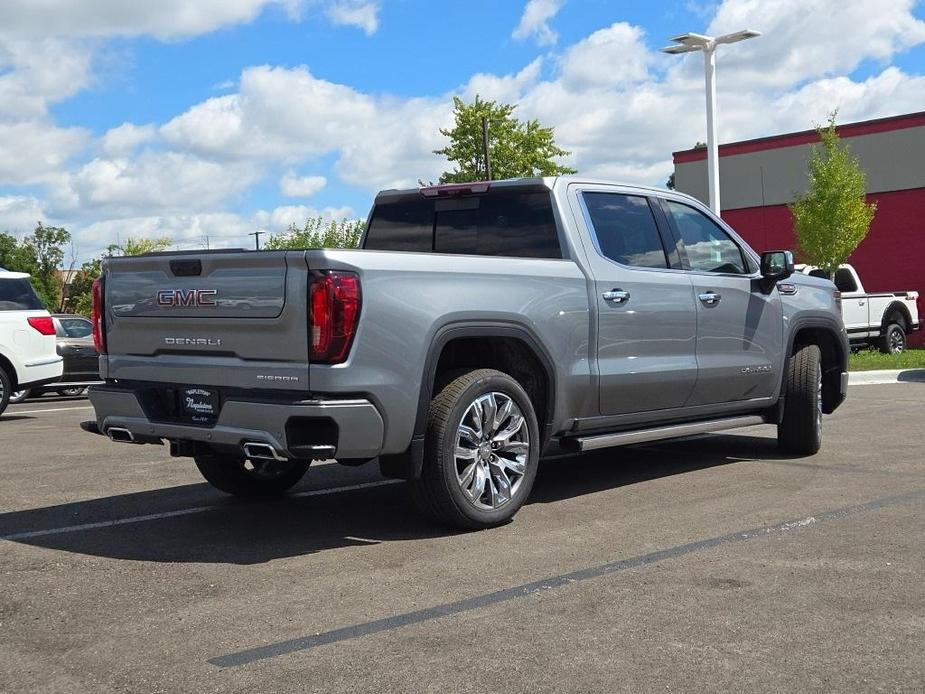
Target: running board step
627	438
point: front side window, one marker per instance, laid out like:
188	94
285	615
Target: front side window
625	229
709	248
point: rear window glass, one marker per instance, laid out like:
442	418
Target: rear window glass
74	327
18	295
514	223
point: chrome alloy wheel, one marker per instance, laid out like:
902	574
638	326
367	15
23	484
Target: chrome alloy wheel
492	451
897	342
819	402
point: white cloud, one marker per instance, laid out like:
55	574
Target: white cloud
124	139
167	182
32	151
34	73
280	218
807	40
362	14
165	19
278	113
19	214
609	57
293	186
535	21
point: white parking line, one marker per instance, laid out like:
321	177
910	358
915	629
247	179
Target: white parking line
179	512
51	409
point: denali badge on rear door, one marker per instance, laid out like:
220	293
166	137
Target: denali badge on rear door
197	341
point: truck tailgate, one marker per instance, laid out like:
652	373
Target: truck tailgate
235	319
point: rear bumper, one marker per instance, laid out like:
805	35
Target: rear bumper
38	372
285	426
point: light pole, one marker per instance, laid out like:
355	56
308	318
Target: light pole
687	43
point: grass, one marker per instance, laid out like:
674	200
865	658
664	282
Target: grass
868	360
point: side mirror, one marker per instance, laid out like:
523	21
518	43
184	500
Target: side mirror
776	265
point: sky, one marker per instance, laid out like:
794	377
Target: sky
204	121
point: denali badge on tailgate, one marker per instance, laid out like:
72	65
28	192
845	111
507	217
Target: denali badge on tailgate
186	298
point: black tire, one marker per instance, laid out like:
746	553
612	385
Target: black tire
71	392
19	396
5	390
893	340
233	474
800	430
439	494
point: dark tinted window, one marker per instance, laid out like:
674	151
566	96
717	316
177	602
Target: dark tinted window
17	295
403	224
844	281
625	229
709	248
512	222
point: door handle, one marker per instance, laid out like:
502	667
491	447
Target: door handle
618	296
710	298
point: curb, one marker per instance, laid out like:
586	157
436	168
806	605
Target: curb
872	378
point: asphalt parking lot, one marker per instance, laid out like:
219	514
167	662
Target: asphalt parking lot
700	565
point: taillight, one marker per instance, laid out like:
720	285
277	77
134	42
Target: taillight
96	317
334	305
837	296
44	324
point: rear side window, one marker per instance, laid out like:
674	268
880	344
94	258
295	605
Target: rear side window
844	281
626	230
406	224
18	295
513	222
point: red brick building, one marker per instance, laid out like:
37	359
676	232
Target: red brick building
759	177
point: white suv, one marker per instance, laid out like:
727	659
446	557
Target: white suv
28	356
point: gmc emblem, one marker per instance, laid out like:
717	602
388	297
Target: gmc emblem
187	298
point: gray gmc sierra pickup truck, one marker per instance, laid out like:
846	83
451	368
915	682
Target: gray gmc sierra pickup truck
479	328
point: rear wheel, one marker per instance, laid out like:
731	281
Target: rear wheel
242	477
893	340
71	392
800	430
481	451
5	386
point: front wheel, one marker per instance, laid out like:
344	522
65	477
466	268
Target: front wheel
481	451
240	476
800	430
893	340
71	392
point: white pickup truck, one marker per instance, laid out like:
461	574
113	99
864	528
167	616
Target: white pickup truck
882	319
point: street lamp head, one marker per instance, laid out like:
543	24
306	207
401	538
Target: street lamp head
738	36
692	39
679	48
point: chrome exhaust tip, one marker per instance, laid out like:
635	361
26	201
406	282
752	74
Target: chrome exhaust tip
120	435
261	451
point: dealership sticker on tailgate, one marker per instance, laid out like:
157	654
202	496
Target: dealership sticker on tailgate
200	404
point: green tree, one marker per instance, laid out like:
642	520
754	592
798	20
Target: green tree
140	246
515	148
39	254
318	233
832	218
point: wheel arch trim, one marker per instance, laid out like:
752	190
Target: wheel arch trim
408	465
